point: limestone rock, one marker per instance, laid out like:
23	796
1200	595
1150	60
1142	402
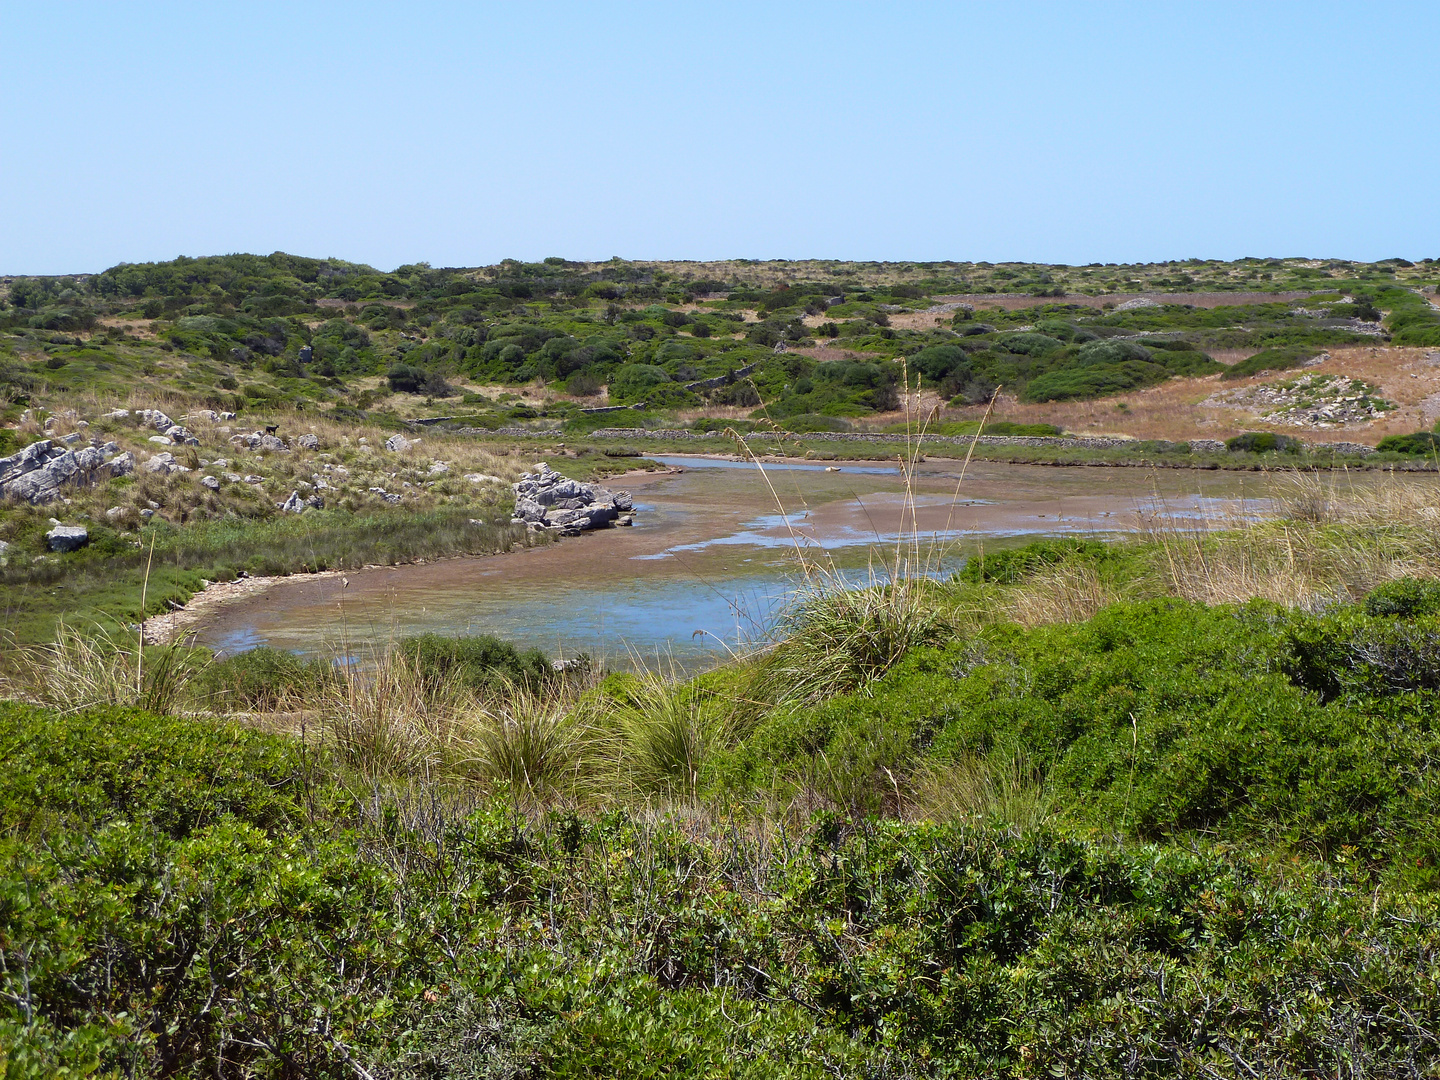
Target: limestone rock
210	482
308	442
36	473
64	538
398	443
164	465
259	440
121	464
546	499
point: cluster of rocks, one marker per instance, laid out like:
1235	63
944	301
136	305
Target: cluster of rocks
170	432
544	499
260	440
1314	401
296	505
37	473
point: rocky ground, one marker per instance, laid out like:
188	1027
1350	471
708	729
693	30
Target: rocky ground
1312	400
123	467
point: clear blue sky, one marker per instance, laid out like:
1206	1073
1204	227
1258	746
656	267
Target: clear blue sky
460	134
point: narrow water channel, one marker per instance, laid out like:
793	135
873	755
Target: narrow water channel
716	549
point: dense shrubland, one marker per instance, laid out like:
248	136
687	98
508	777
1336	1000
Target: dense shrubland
1085	809
281	332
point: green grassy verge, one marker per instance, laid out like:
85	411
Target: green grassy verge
102	584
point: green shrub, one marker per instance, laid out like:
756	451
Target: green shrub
1016	564
1405	597
261	679
636	382
480	662
1417	444
173	775
1264	442
406	379
1282	358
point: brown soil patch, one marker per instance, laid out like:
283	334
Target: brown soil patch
1176	410
1015	301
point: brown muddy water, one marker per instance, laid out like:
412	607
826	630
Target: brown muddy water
716	550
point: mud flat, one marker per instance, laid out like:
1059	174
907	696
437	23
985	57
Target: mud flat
712	556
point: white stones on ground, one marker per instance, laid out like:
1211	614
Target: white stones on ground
259	440
253	479
210	482
308	442
115	512
65	538
398	443
116	414
233	478
1206	446
162	440
438	468
483	478
155	418
388	496
163	465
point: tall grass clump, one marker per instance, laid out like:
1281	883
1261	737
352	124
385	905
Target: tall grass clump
1335	541
387	718
835	637
1004	789
81	670
836	640
659	735
530	743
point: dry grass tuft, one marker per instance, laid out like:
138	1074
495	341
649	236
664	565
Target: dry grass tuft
1004	789
391	719
81	670
1335	542
1067	593
533	745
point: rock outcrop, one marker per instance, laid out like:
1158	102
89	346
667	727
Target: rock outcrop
65	538
545	499
38	472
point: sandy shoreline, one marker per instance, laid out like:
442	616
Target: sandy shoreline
171	627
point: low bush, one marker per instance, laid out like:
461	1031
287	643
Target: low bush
1264	442
404	378
261	679
1405	597
480	663
1014	565
1282	358
1417	444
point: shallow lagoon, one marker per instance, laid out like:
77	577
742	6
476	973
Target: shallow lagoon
713	558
